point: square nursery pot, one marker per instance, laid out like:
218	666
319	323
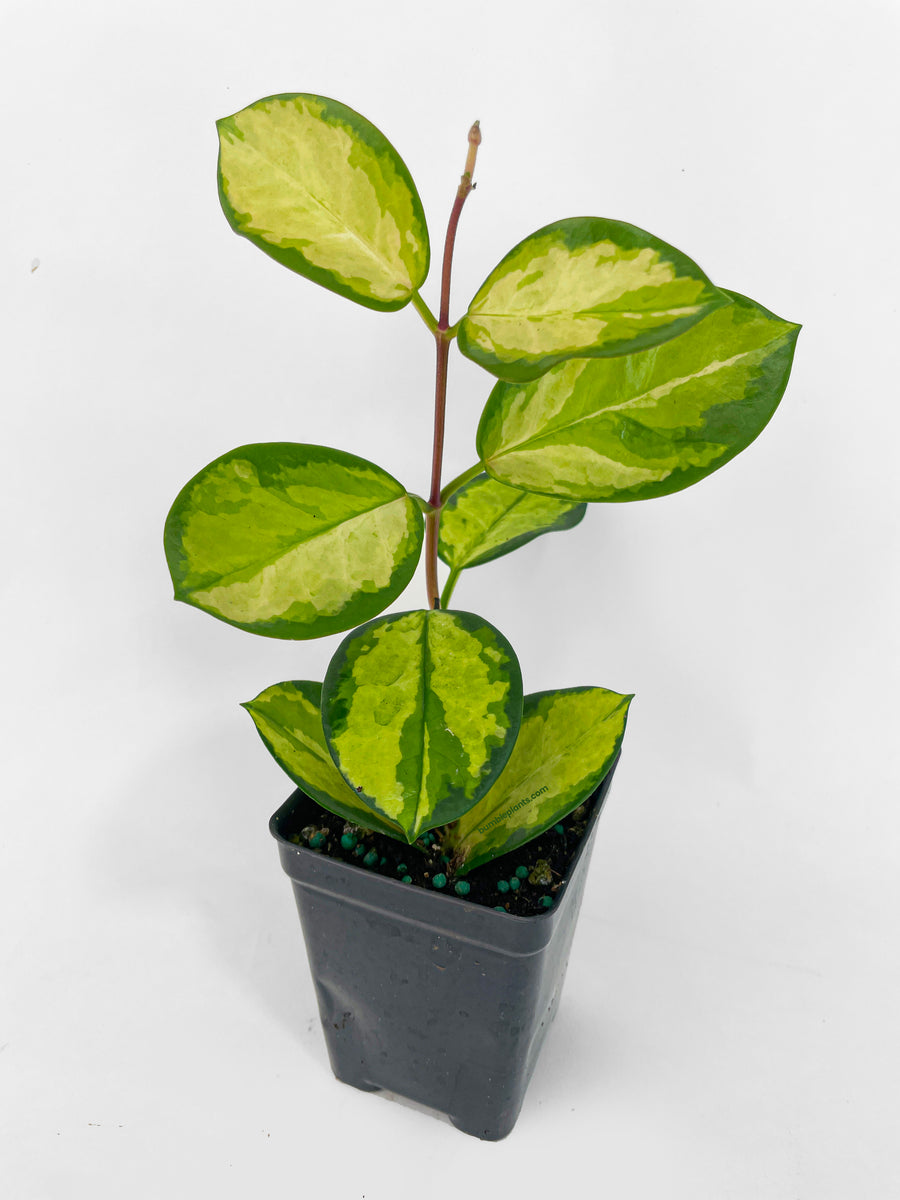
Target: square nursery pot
427	995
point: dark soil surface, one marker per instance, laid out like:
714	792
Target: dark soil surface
524	882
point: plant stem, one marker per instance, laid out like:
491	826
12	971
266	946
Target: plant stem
443	337
423	504
449	586
460	481
424	312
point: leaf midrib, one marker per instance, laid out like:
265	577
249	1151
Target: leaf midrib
259	564
421	811
311	747
387	266
625	404
579	313
317	749
497	520
542	763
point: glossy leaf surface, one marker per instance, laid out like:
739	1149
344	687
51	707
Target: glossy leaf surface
648	424
486	519
568	741
582	287
292	541
420	713
320	189
289	720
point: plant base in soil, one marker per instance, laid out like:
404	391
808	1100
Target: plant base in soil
523	882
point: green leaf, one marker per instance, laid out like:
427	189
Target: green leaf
582	287
420	713
292	541
646	425
289	720
321	190
486	520
568	742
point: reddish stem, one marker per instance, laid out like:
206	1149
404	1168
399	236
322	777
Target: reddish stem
442	342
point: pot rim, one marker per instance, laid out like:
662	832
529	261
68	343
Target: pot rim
312	869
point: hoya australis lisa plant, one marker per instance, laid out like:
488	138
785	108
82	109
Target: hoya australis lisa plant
621	372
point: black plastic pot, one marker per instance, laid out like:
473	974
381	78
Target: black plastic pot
426	995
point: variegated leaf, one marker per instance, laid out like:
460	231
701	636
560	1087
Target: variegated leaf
486	520
420	713
288	718
321	190
582	287
567	743
645	425
292	541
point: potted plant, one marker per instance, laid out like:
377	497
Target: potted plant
431	792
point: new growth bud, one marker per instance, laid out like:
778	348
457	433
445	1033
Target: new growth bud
474	143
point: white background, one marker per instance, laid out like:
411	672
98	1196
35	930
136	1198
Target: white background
729	1027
